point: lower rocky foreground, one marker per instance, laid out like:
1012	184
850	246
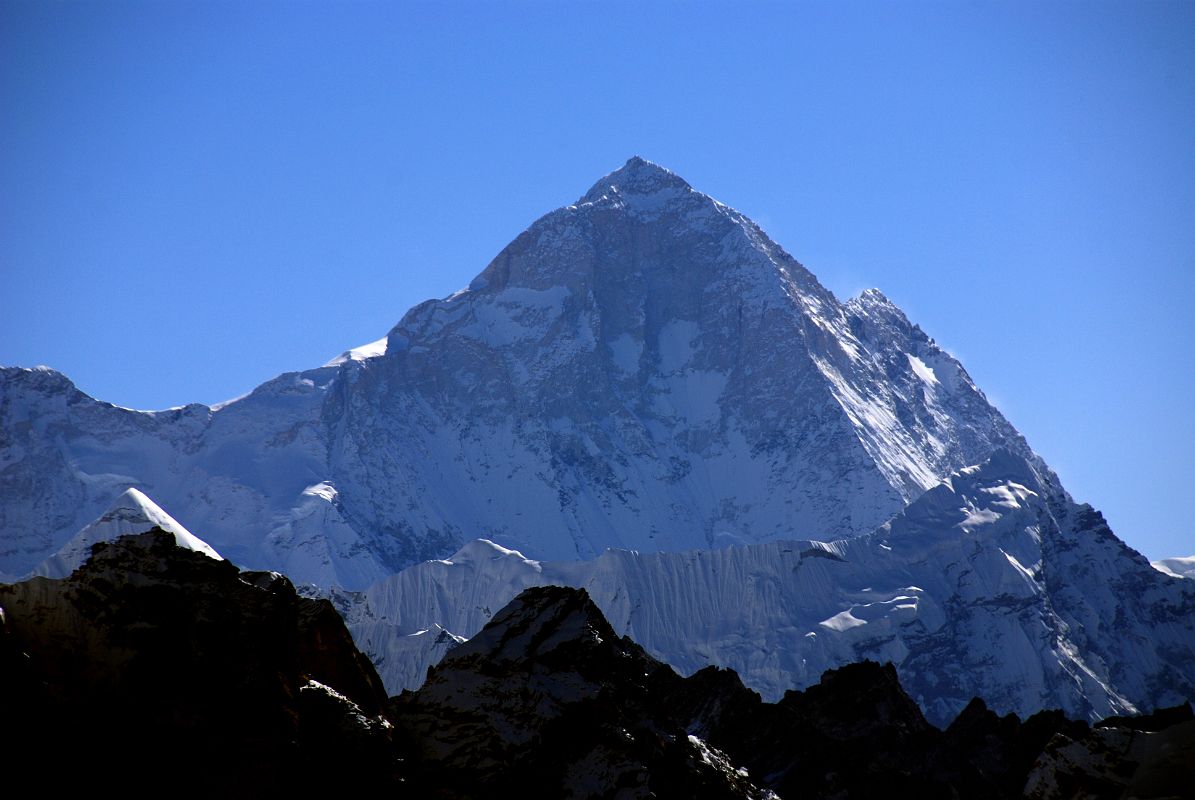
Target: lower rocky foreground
157	668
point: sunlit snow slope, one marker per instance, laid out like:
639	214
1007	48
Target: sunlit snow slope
1179	567
132	512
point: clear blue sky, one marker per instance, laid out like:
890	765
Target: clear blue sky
195	197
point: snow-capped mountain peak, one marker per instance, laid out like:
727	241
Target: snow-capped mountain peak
805	481
132	512
874	298
636	181
643	369
483	551
371	350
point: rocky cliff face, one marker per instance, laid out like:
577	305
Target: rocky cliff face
547	701
1134	757
154	667
642	369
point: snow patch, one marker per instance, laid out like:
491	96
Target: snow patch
676	344
513	315
371	350
133	512
322	490
1180	567
922	370
626	351
842	621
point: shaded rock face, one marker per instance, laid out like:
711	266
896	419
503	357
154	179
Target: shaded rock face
152	662
156	669
858	734
548	701
1151	757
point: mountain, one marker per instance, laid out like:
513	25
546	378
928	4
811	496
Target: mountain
993	584
548	701
154	667
132	512
790	483
642	369
1182	567
1135	757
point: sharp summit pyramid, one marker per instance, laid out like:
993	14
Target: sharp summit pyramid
131	513
642	369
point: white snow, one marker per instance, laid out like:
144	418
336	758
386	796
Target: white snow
1179	567
842	621
1009	495
922	370
132	512
371	350
322	490
513	315
977	518
313	540
676	344
780	613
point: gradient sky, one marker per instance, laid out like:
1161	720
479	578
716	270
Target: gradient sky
195	197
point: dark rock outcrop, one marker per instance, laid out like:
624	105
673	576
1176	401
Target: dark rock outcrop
546	701
157	669
1151	756
156	664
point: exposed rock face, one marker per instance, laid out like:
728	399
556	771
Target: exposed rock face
856	733
158	669
156	663
547	701
1134	757
642	369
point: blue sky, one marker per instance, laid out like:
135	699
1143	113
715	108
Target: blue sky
195	197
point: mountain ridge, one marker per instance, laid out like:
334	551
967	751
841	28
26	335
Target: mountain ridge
993	584
646	366
158	659
132	512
